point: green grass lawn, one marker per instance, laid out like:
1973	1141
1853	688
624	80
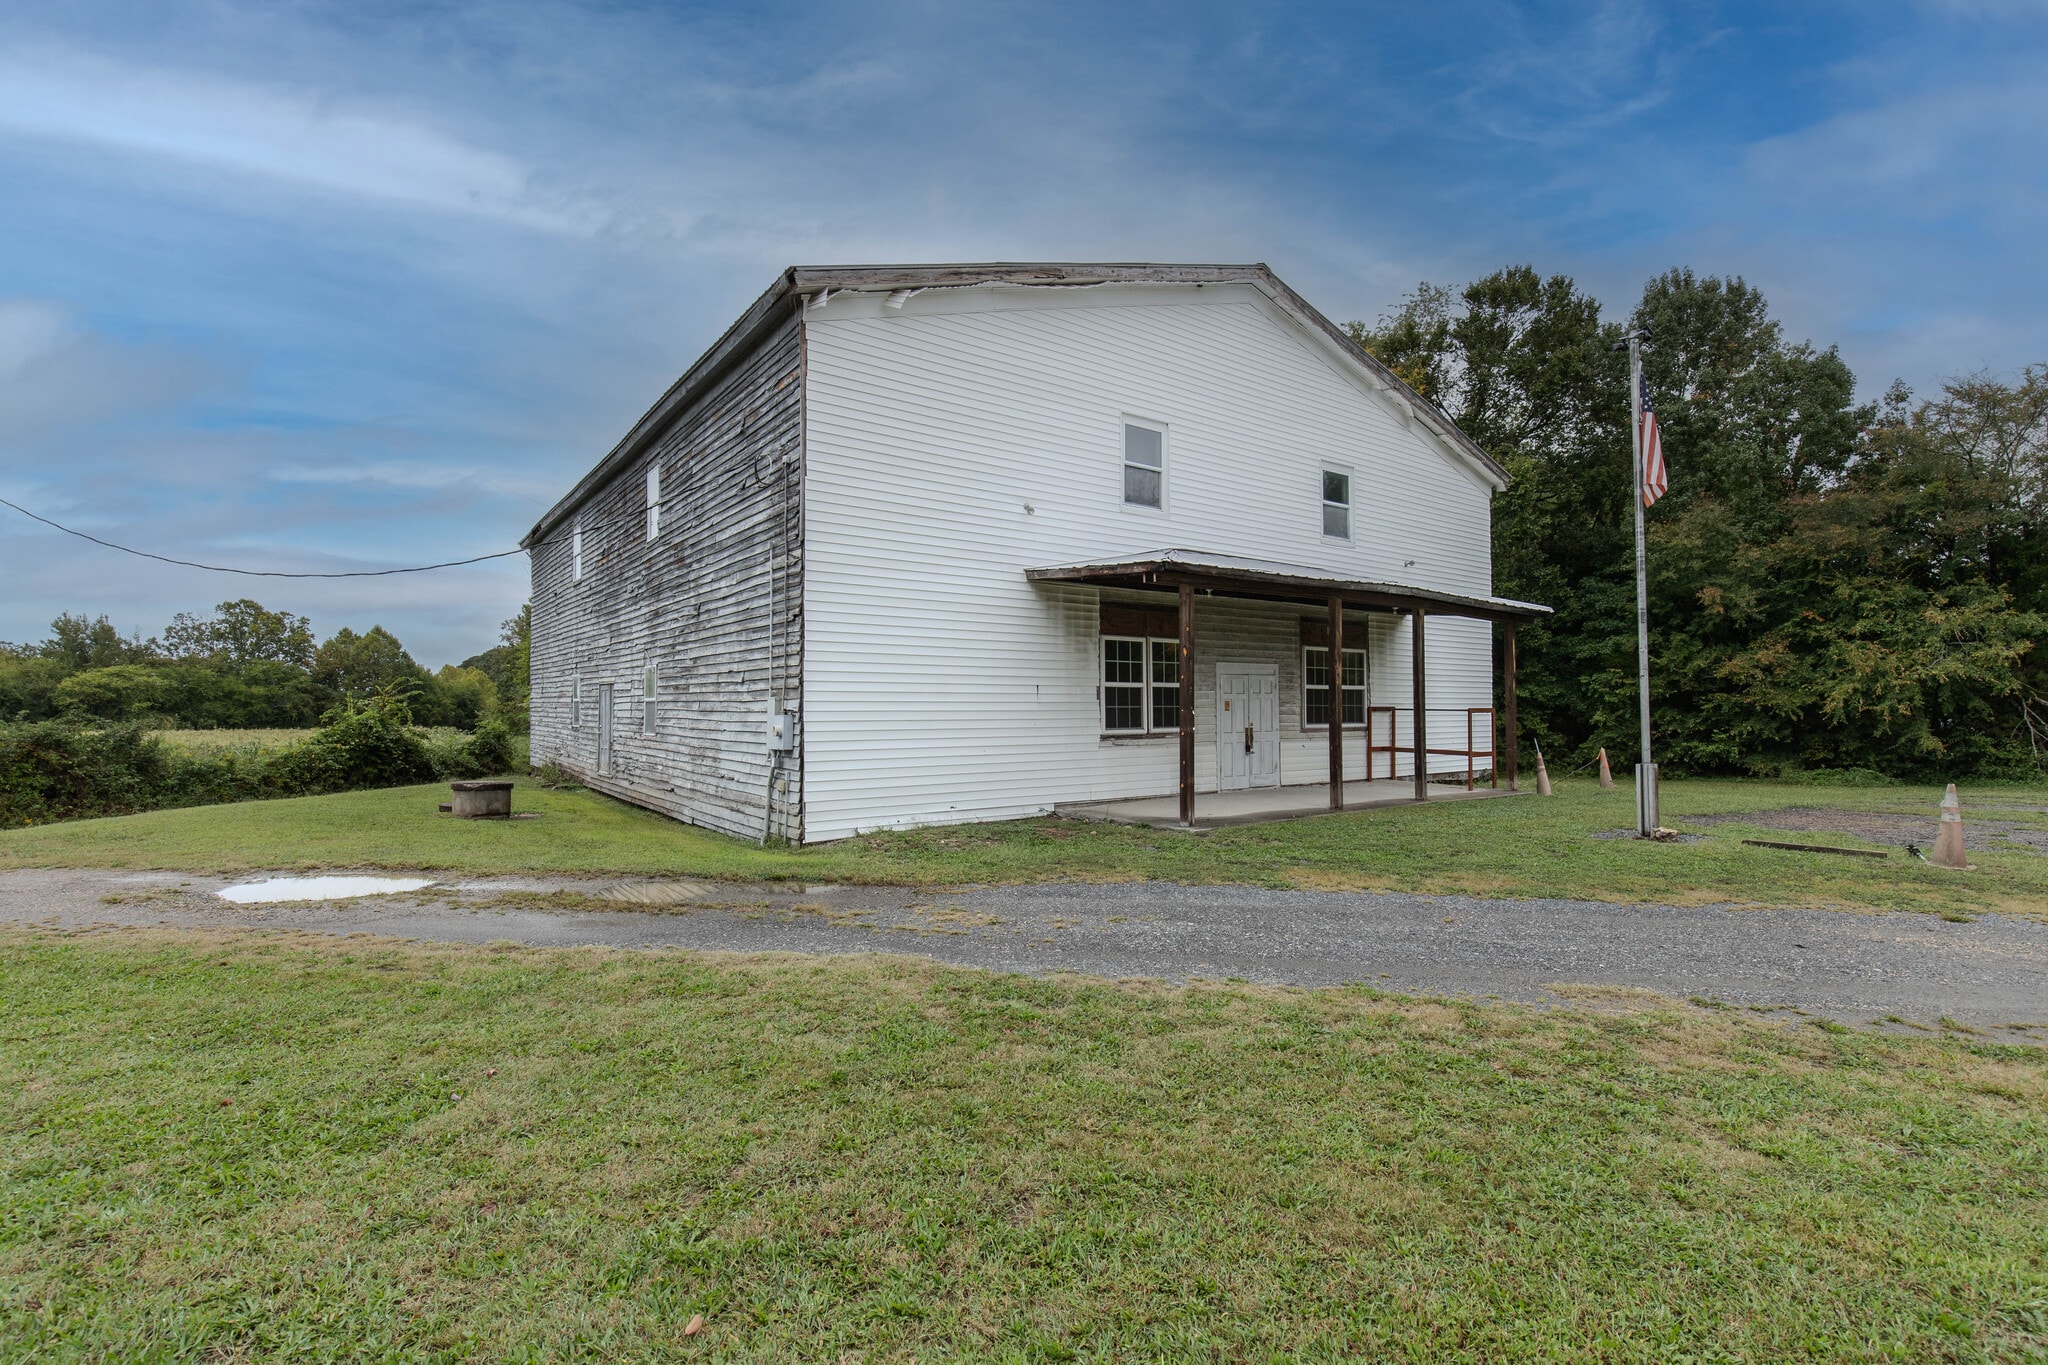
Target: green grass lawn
1519	846
238	1147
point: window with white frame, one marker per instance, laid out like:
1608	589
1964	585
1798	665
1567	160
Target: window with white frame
1315	686
654	500
647	682
1140	685
576	553
1144	466
1337	504
576	700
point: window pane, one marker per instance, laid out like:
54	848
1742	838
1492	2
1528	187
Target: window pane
1315	667
1336	521
1315	708
1354	706
1123	708
1166	661
1123	661
1166	708
1336	487
1141	486
1354	668
1144	446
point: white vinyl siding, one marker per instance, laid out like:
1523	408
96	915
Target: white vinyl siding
939	684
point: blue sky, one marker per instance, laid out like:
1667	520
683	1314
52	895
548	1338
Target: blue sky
348	286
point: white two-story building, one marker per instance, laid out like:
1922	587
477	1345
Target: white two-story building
925	544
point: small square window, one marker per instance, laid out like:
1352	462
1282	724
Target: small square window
1336	504
1144	466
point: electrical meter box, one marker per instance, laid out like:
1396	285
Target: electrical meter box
781	729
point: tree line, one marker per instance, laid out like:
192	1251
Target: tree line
1834	585
247	667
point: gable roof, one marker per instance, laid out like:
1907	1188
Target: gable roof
806	282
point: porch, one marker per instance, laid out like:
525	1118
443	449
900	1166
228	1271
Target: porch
1259	804
1189	575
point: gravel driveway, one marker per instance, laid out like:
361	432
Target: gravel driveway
1990	973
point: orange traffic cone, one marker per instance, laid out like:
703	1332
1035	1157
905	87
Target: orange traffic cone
1606	773
1948	843
1542	774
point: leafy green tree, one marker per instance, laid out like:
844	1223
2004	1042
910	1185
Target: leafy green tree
1832	584
241	633
119	692
78	644
348	664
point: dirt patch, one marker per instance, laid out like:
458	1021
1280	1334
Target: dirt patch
1877	828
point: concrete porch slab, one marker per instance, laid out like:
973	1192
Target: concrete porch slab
1250	807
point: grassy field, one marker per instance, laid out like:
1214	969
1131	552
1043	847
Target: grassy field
206	743
1521	846
214	741
244	1147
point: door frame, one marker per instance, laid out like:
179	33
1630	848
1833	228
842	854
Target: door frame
1247	668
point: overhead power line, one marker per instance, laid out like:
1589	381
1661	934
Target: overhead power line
251	573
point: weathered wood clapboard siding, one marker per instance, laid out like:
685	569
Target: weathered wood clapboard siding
976	433
695	603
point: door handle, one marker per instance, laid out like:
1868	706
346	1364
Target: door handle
1247	739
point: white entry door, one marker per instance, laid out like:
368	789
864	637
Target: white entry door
1247	726
604	730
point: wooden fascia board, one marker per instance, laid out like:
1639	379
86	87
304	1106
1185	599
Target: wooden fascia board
1163	576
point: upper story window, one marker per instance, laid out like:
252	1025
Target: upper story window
1144	466
1140	685
654	500
1337	504
576	553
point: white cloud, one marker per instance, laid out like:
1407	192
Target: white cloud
283	135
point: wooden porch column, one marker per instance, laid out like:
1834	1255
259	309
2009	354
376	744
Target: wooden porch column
1187	706
1513	725
1336	703
1421	712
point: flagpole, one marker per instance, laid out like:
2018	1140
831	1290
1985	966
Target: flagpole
1646	771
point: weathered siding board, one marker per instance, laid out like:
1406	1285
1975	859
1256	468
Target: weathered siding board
695	602
977	433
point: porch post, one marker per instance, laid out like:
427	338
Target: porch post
1513	725
1421	712
1336	703
1187	706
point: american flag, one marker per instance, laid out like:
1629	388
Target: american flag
1656	477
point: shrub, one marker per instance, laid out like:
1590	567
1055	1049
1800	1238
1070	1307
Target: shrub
61	769
364	742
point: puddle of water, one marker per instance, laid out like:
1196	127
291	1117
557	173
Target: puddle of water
318	888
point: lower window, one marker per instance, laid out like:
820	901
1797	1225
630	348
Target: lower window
1140	685
1315	686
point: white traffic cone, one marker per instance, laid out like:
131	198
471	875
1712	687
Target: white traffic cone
1948	844
1606	773
1542	774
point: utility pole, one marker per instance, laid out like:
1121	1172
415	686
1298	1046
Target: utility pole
1646	771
